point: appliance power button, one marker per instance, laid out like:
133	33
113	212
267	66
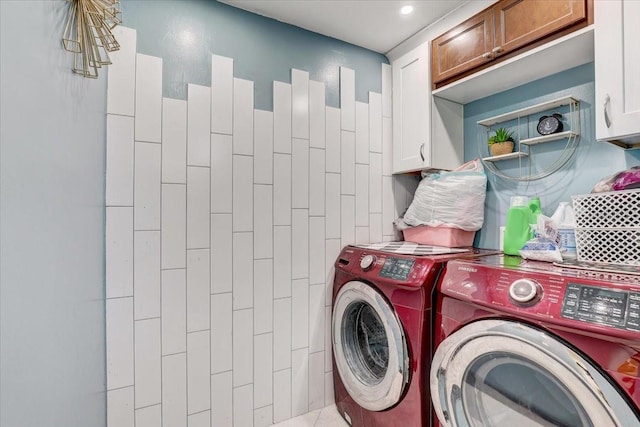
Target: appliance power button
367	262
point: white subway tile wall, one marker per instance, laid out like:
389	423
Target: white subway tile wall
223	223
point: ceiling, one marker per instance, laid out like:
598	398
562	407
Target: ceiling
373	24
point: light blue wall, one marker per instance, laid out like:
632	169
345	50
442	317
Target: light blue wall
52	133
186	32
592	160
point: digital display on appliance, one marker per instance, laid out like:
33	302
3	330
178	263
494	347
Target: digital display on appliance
397	268
603	306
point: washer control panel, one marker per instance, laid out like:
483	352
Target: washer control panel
397	268
617	308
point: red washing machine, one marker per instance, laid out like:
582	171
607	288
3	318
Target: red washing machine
525	343
381	331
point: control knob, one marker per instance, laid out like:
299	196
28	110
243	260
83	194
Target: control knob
367	262
524	291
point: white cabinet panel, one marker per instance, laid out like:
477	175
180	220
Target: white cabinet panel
198	289
317	110
119	252
119	175
299	104
148	109
348	98
263	147
221	174
198	125
121	74
281	117
174	141
198	372
120	344
242	117
221	94
198	207
221	337
617	67
174	311
362	132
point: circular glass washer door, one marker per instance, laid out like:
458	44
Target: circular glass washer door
495	373
369	347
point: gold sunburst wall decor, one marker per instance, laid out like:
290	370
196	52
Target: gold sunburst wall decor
87	34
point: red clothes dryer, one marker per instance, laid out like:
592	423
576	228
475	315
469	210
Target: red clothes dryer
381	331
525	343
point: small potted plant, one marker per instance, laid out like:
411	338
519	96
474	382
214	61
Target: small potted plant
501	142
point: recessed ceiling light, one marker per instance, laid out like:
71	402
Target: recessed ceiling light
405	10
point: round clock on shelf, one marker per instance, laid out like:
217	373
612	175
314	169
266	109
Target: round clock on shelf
550	124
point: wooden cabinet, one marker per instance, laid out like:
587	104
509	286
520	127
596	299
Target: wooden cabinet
501	31
427	132
617	72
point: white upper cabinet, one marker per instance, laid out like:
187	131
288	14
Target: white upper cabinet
617	72
427	132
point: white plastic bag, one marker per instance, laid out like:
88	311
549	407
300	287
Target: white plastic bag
450	199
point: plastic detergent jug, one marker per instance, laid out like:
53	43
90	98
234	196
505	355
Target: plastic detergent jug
565	220
536	210
518	229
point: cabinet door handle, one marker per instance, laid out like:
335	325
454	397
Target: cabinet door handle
607	101
486	55
421	151
497	49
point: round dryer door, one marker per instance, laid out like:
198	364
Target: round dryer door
369	347
503	373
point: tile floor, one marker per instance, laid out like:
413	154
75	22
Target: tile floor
325	417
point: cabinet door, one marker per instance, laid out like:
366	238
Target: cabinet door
520	22
617	69
411	111
463	48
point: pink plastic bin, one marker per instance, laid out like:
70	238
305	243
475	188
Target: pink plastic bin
439	236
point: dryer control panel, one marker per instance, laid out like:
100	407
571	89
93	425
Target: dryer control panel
603	306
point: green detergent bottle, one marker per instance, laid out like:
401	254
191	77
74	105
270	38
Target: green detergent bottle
518	229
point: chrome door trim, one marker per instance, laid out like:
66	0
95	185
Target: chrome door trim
603	403
389	390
